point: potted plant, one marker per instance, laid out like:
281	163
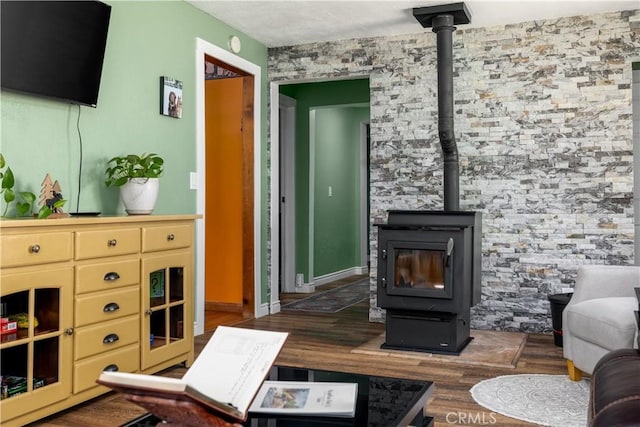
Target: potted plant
137	176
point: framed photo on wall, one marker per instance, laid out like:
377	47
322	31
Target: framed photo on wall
170	97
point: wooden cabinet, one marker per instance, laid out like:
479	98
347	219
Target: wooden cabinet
166	307
35	360
104	293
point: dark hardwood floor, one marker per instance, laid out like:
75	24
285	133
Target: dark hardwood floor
324	341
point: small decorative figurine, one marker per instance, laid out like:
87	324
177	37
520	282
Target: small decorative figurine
51	199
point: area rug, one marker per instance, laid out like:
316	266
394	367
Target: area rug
548	400
333	300
488	348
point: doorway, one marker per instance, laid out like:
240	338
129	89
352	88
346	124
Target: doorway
287	200
229	131
250	166
337	95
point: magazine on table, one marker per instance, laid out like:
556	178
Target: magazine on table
331	399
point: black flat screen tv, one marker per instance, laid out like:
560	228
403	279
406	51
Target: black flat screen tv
54	49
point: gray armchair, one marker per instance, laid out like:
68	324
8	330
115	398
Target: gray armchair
600	316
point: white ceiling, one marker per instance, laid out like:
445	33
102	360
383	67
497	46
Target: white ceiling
292	22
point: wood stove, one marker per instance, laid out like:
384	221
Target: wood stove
429	262
429	267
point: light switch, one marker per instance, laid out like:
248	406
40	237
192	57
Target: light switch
193	180
330	191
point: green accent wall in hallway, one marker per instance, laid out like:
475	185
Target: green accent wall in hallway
308	96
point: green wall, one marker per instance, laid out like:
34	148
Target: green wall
308	96
146	40
337	217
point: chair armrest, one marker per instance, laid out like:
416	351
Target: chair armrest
599	281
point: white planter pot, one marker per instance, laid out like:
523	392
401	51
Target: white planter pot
139	195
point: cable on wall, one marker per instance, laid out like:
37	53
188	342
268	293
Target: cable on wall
80	168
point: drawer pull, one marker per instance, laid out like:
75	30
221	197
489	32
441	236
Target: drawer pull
34	249
68	331
111	338
111	276
112	306
148	312
111	368
171	237
112	242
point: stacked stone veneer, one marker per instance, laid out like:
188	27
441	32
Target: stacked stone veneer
543	121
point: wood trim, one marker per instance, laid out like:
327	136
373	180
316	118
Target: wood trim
248	267
229	307
100	220
229	67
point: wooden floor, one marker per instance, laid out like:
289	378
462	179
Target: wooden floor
324	341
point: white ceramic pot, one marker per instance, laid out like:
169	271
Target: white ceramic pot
139	195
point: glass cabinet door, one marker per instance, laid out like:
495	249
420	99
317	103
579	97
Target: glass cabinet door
166	289
35	346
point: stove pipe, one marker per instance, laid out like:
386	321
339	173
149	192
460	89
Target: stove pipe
443	27
442	18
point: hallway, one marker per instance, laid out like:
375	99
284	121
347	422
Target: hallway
215	318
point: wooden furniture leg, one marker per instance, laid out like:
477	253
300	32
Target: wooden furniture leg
575	374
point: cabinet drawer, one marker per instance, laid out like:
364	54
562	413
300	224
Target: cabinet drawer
38	248
106	305
86	372
101	243
107	275
166	237
98	339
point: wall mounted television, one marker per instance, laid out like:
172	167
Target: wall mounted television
54	49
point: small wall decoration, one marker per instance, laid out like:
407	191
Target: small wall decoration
170	97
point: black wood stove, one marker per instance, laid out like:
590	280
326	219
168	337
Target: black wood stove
429	263
429	267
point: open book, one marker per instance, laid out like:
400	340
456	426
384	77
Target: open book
306	398
225	377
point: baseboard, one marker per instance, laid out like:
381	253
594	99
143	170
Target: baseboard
307	288
229	307
362	270
274	307
263	310
343	274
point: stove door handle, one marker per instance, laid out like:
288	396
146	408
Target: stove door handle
449	251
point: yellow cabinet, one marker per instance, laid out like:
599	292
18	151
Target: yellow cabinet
101	243
87	295
36	359
166	310
32	249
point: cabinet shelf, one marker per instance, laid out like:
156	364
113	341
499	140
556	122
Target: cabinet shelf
14	338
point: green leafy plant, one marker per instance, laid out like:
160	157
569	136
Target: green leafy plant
24	200
121	169
46	211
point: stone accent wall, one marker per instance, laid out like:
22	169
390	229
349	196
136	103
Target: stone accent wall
543	122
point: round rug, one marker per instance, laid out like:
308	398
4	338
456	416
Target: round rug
548	400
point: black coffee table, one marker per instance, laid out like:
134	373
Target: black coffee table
382	402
